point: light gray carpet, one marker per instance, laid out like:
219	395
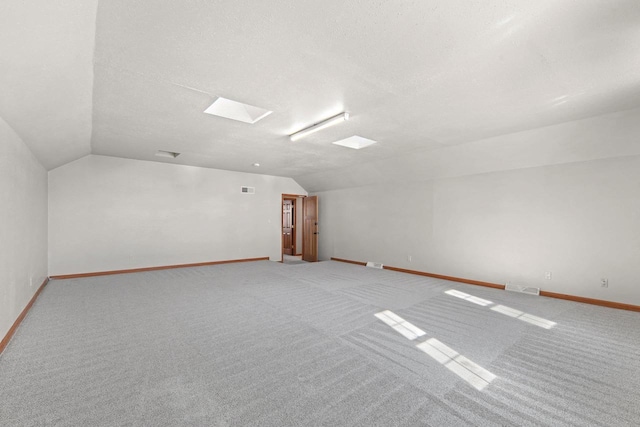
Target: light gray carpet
268	344
292	260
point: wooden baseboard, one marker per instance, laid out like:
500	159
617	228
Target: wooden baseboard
300	254
163	267
424	273
603	303
349	261
21	317
440	276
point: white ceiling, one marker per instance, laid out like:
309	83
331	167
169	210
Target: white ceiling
431	81
46	75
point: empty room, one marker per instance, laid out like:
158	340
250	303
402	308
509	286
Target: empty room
291	213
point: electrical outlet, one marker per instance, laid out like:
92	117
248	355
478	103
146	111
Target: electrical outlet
409	258
547	275
604	283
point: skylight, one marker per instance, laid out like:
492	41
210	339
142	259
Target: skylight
356	142
235	110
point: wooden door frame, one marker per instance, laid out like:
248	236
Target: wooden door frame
283	198
294	225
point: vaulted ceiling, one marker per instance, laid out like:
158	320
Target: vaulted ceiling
445	87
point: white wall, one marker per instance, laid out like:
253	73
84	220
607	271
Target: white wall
107	213
23	234
579	221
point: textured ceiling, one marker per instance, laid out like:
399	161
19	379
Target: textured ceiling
46	75
426	79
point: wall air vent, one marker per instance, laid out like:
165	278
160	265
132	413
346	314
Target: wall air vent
377	265
248	190
522	289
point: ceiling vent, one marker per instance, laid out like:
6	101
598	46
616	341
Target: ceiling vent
522	289
169	154
248	190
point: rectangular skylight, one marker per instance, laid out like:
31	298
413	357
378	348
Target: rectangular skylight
235	110
356	142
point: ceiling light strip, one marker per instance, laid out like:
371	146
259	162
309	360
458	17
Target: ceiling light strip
319	126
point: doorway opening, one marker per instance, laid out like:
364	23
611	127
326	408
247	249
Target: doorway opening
290	220
299	240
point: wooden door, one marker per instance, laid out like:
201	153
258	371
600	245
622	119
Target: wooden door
310	229
288	237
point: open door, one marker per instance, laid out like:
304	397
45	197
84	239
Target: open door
288	227
310	229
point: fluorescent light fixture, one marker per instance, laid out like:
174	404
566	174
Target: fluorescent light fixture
235	110
319	126
356	142
169	154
